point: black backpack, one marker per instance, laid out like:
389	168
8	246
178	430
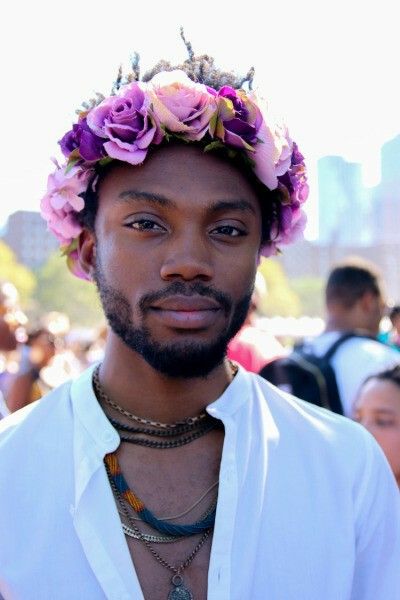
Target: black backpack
308	376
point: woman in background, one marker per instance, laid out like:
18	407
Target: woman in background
377	407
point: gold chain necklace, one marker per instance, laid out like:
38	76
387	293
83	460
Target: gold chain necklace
103	396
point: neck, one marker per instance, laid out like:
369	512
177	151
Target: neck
136	386
341	323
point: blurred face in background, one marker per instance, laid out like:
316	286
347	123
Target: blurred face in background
42	349
378	409
8	340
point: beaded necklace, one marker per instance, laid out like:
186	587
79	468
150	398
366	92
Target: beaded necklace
179	591
158	539
145	514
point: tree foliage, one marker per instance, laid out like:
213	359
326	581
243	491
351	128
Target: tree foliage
280	299
59	290
310	291
11	270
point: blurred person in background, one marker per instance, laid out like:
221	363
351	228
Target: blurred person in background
377	407
8	338
354	303
26	385
8	324
254	347
392	337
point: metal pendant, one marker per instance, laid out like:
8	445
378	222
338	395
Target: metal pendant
180	592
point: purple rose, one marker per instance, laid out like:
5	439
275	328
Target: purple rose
291	228
239	119
81	138
295	178
128	125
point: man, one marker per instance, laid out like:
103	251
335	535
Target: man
108	486
354	302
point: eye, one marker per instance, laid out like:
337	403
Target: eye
144	225
382	422
229	231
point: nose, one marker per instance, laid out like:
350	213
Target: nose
187	258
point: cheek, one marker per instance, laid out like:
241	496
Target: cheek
238	273
390	444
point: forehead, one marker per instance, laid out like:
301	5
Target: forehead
184	174
377	393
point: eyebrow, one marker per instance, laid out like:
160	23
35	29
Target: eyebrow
146	197
239	204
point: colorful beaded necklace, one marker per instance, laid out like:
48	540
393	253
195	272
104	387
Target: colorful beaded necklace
119	481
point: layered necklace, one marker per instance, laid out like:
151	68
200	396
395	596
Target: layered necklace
154	434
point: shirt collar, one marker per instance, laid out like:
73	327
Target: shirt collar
90	414
233	397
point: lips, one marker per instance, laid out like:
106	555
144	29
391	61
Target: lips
186	303
186	312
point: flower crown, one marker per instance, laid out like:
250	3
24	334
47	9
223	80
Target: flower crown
141	115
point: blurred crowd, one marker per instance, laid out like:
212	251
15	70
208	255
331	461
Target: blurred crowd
37	357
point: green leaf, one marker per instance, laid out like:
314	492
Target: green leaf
213	146
105	161
66	250
71	163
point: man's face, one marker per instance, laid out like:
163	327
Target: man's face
176	253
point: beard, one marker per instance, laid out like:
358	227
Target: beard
185	359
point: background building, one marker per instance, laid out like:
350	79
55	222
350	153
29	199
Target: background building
26	234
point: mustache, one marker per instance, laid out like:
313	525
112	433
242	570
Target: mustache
185	289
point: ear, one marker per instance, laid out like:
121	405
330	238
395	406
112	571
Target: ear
87	252
366	301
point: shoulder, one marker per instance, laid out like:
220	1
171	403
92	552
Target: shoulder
370	349
310	427
37	424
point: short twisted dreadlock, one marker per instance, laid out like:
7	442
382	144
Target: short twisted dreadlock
200	69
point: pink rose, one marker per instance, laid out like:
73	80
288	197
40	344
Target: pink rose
285	147
265	156
181	105
62	201
128	124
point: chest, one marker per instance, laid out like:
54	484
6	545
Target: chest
175	488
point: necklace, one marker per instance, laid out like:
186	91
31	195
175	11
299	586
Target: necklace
187	511
114	472
136	433
179	591
100	393
158	539
165	433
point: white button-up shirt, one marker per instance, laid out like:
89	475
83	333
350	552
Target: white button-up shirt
308	508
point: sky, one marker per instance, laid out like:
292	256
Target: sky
330	69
